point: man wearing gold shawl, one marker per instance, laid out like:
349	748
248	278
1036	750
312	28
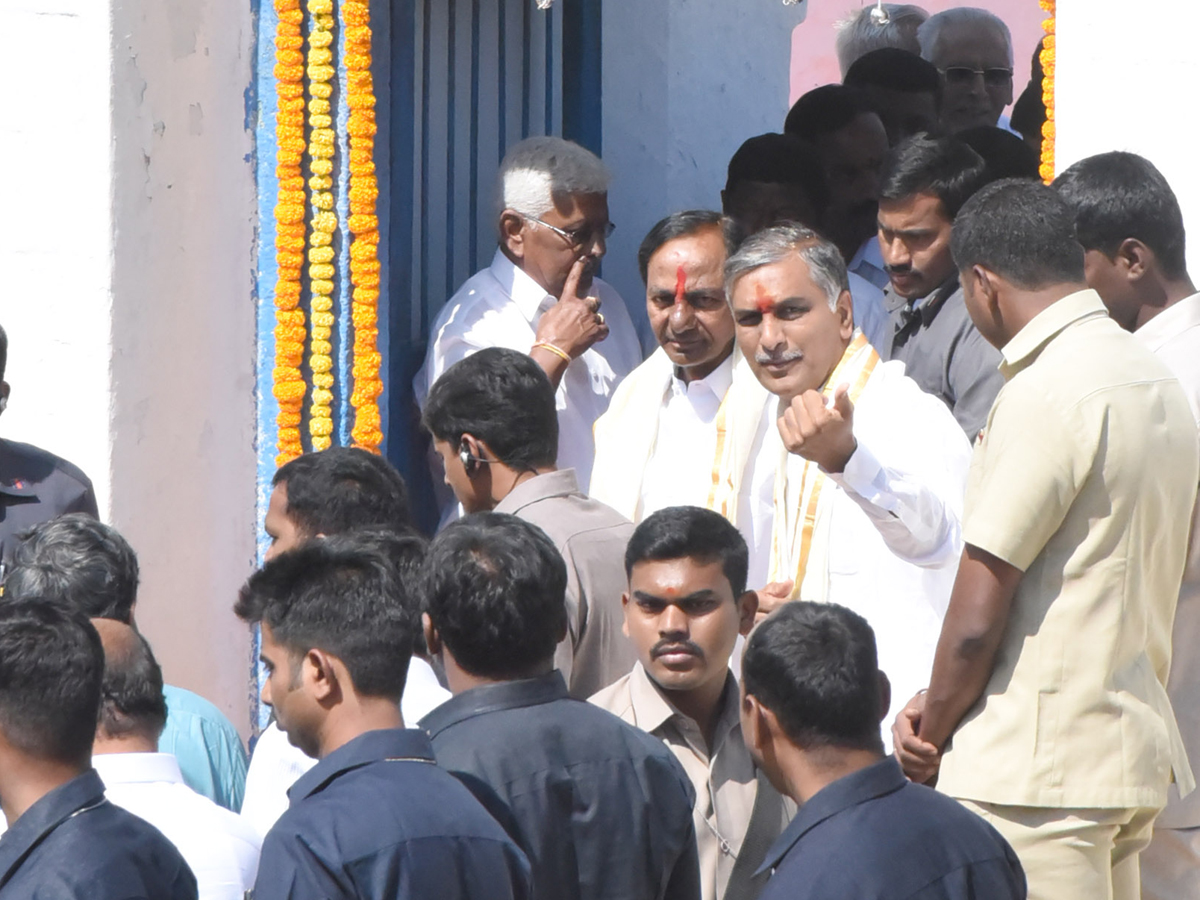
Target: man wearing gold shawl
857	476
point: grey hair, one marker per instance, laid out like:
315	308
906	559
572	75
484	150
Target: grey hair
540	169
857	35
773	245
930	33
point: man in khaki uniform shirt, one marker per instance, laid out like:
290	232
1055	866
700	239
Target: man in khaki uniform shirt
1051	668
685	606
494	425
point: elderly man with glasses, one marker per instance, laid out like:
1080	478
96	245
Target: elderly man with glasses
540	294
972	49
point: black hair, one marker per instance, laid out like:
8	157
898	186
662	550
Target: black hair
406	552
944	167
343	488
504	399
132	700
51	664
341	595
825	110
895	70
689	532
495	589
1004	154
1029	112
79	560
1116	196
685	224
1021	230
814	665
780	159
3	351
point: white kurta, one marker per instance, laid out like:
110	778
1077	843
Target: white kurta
501	306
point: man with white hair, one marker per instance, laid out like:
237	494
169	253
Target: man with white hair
858	34
540	295
972	49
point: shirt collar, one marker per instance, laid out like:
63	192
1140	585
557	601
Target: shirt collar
717	382
558	483
1046	325
877	780
652	709
927	306
495	697
1171	321
529	296
137	768
374	746
82	792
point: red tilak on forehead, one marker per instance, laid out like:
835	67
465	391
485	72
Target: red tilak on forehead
671	591
763	301
680	282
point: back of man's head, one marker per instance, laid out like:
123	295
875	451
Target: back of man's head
343	596
687	223
537	174
780	159
814	665
1022	231
51	664
935	32
1004	154
943	167
690	532
859	34
1117	196
132	704
894	70
80	560
342	489
825	110
495	591
500	397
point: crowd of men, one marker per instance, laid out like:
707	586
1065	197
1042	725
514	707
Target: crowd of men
874	580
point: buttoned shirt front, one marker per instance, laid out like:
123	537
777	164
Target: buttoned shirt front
726	781
1084	480
501	306
220	849
602	809
73	844
377	819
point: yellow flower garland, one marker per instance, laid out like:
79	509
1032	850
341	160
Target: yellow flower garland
289	387
364	225
1049	62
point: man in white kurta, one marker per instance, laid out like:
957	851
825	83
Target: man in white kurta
857	476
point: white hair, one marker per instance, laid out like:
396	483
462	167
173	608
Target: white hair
857	35
539	169
930	33
826	267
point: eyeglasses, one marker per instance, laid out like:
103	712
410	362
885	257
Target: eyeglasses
963	75
577	237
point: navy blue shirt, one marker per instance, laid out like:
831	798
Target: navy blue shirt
376	819
73	843
874	835
603	809
35	487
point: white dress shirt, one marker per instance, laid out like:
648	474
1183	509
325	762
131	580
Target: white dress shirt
501	306
219	848
276	764
895	530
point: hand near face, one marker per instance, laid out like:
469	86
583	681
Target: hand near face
771	597
574	323
919	759
823	434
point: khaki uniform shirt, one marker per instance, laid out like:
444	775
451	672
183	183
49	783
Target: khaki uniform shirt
727	783
1084	479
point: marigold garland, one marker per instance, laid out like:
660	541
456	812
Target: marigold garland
1049	62
363	223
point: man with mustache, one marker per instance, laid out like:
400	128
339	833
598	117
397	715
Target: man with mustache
858	476
972	49
924	183
685	606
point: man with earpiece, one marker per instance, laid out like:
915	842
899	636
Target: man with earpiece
494	424
35	486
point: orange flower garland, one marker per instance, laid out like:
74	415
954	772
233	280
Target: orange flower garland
364	225
289	387
1049	61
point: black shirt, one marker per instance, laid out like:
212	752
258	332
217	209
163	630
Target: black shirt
378	819
73	843
874	835
603	809
36	486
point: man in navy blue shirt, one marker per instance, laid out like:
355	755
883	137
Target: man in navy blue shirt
812	701
64	840
603	809
375	819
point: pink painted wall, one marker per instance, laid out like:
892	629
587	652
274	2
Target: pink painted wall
814	61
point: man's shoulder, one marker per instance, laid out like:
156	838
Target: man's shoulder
189	708
572	520
25	461
617	699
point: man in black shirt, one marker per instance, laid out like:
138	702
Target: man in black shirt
603	809
375	819
812	700
64	839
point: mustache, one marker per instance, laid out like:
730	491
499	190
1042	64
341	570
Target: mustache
768	359
898	270
666	646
